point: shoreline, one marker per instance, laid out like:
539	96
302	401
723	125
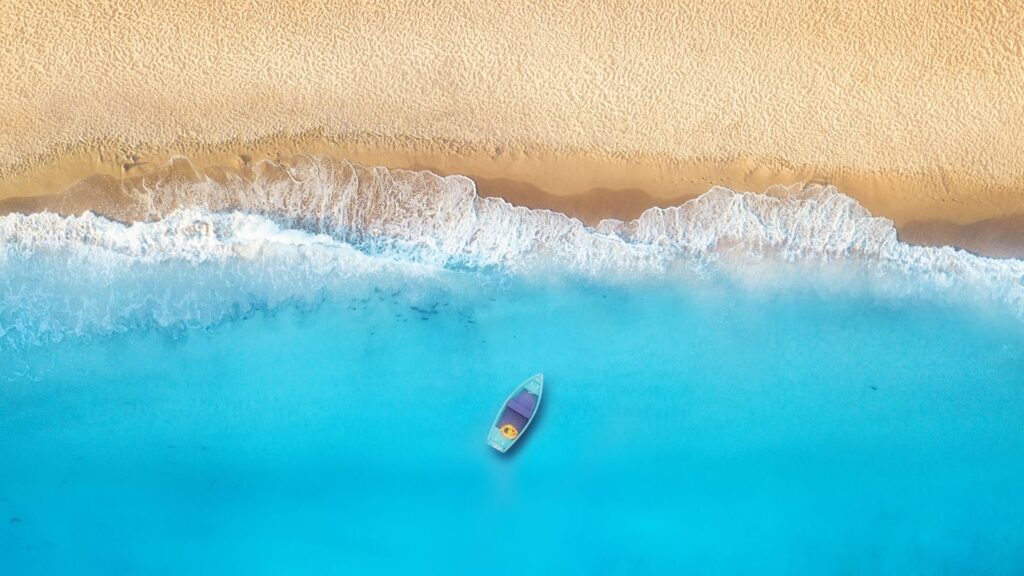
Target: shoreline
595	111
927	209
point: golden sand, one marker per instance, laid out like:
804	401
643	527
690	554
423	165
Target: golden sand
597	108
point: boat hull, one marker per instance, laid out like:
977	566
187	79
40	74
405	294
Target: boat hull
516	414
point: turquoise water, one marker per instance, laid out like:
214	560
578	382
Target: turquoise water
698	427
296	375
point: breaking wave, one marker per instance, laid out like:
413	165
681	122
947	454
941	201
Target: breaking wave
202	250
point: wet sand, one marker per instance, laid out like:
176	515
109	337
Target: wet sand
598	110
582	185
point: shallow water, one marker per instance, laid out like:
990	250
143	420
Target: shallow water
686	426
297	375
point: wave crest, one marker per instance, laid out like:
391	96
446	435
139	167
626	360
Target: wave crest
444	222
207	248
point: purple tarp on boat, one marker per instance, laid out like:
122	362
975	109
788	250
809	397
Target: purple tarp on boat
518	411
524	403
510	416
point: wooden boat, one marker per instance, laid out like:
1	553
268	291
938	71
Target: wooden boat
516	414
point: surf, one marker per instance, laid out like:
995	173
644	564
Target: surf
195	251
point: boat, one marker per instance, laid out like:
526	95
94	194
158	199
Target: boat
516	414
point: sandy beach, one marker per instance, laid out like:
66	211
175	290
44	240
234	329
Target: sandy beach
596	109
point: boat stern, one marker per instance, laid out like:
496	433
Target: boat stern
498	442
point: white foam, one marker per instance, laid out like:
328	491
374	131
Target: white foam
87	275
442	221
326	224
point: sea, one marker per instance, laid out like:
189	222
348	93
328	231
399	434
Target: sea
297	374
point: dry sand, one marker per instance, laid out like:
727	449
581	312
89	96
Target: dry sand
597	108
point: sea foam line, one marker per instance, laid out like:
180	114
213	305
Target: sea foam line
444	222
211	249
